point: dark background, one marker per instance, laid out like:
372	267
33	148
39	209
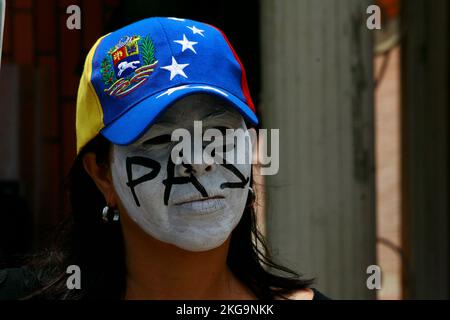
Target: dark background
50	59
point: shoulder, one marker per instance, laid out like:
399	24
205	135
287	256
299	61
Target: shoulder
16	283
307	294
302	294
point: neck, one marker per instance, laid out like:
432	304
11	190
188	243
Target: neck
158	270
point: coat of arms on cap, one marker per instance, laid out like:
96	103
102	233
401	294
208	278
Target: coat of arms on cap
128	65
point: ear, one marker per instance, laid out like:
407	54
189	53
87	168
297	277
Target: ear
101	175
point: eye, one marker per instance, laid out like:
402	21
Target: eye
226	147
163	139
222	129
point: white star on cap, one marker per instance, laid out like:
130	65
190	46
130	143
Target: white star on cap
186	44
168	92
176	69
197	31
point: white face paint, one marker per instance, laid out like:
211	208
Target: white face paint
199	215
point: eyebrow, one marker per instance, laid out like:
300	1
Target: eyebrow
214	114
153	139
209	116
148	137
164	123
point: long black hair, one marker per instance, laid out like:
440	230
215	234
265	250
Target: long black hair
83	239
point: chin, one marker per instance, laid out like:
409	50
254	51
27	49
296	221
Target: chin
195	246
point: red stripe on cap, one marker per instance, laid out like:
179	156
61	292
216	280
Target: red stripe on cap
244	84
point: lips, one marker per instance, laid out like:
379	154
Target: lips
201	206
197	199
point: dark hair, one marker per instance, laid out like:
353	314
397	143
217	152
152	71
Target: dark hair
83	239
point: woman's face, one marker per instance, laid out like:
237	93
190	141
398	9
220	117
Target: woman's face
192	206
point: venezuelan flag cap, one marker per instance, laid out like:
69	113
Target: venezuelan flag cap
133	74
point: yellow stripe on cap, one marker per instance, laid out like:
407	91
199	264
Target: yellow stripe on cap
89	118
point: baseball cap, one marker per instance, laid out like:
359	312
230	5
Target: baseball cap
133	74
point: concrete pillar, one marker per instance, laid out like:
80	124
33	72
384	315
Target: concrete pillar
317	88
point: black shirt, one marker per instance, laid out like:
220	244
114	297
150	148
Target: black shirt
18	283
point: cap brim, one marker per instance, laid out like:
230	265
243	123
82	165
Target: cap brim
131	125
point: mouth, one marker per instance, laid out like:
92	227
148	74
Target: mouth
197	200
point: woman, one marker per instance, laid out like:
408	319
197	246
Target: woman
148	221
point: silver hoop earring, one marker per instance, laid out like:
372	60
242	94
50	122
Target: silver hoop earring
105	213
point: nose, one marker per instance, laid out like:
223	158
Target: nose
186	169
